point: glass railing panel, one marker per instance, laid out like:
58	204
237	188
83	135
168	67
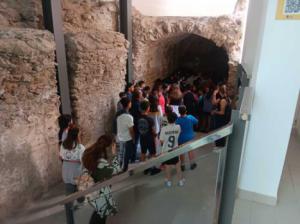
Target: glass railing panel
145	198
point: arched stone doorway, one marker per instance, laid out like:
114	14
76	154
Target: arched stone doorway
160	42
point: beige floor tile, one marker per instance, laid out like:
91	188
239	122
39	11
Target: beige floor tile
262	214
288	209
242	212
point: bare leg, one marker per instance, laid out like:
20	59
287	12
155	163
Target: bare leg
182	159
191	156
178	171
168	172
143	157
192	160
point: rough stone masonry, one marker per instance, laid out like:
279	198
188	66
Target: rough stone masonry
28	110
97	63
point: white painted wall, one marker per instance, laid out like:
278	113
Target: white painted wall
184	8
276	66
253	36
297	118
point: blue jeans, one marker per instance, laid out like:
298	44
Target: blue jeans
129	151
70	189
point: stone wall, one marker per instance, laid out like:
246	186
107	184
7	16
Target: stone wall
28	110
28	90
155	60
224	31
96	58
97	66
78	15
21	13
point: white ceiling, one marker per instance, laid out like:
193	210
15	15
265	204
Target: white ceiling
185	7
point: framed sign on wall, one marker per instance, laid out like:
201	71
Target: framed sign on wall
288	9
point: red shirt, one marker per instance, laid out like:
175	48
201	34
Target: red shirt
162	102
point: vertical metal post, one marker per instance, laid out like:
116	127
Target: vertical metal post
219	181
53	22
126	29
233	158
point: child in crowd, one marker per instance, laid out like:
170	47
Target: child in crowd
186	123
65	122
146	130
156	114
71	152
119	105
169	140
146	92
129	90
125	133
164	120
141	84
175	98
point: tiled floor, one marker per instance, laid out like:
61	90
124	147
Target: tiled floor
246	212
144	199
287	210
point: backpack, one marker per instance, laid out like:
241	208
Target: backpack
143	126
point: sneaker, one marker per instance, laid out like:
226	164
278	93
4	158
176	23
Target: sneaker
193	166
181	183
155	171
168	183
182	168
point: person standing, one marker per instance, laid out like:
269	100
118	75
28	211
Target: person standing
175	98
157	88
71	152
222	113
129	90
125	132
186	123
101	168
207	108
135	112
169	139
189	100
64	122
156	114
119	105
147	133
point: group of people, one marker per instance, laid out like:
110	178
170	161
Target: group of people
143	112
155	120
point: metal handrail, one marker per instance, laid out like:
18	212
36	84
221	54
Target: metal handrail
185	148
189	146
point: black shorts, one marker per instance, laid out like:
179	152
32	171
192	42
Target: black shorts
148	145
172	161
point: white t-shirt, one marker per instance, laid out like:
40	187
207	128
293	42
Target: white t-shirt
74	155
71	167
124	122
169	135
